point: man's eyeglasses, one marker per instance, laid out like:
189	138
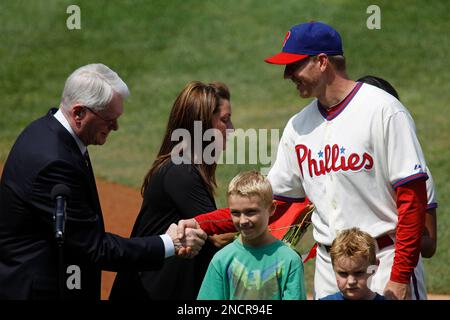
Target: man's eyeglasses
109	121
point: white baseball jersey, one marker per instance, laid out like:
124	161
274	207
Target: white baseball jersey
350	163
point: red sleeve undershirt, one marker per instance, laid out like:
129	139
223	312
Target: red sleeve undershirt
411	206
216	222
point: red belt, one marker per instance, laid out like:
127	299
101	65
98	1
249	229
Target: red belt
382	241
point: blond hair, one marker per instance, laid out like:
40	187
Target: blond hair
251	183
352	243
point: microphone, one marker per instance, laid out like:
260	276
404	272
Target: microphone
60	193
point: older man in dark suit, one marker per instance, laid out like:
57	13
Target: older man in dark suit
53	150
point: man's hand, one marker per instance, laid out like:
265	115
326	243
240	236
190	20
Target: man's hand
173	234
397	291
190	245
194	240
188	223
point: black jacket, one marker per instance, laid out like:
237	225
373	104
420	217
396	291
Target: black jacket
45	154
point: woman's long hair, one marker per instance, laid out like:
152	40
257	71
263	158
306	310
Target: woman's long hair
197	102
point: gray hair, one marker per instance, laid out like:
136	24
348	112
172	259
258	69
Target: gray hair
93	86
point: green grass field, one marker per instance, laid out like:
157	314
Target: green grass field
158	46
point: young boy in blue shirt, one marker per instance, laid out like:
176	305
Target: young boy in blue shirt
354	262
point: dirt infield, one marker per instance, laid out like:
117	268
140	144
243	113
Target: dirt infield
120	206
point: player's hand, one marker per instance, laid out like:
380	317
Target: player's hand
188	223
221	240
190	244
397	291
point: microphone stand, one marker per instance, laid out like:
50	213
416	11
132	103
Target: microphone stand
61	269
59	237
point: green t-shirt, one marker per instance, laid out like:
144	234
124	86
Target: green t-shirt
239	272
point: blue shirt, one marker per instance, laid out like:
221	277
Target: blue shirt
339	296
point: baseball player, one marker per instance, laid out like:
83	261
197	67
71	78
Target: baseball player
354	153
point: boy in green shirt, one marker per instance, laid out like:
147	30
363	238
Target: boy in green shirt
256	266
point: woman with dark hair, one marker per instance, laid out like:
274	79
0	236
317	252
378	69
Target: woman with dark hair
179	185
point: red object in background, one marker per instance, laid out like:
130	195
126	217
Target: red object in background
287	215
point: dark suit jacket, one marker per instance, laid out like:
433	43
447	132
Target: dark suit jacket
45	154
